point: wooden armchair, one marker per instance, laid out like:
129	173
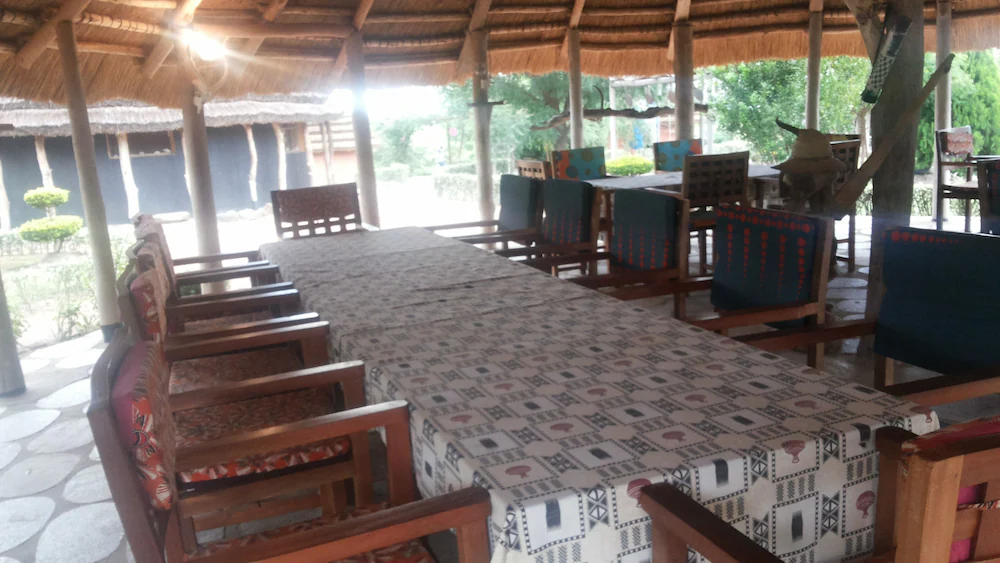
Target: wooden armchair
955	155
520	211
926	319
847	152
323	210
156	506
669	156
708	182
989	196
647	247
679	522
537	169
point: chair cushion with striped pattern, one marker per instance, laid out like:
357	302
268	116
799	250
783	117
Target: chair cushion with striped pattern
569	209
644	233
518	202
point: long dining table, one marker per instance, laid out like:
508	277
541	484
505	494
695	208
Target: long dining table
672	181
563	403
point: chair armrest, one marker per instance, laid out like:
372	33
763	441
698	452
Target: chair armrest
523	235
222	274
267	288
679	521
246	444
465	510
688	285
241	328
176	352
232	305
960	164
754	316
548	262
309	378
787	339
584	248
250	255
944	389
469	225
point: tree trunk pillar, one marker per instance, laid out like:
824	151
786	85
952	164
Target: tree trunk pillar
43	162
199	173
279	135
813	66
4	204
942	96
684	79
482	110
90	185
128	178
362	130
252	175
892	197
575	90
613	122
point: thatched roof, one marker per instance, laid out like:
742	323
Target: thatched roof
23	118
419	41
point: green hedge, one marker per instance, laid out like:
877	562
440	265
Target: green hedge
631	165
51	229
462	187
46	198
395	172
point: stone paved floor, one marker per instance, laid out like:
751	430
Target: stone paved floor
54	501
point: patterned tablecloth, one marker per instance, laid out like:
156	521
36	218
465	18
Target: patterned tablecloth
563	403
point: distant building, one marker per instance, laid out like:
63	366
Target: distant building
36	150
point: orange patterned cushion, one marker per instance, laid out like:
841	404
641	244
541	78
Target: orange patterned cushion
210	423
412	551
201	373
144	421
147	299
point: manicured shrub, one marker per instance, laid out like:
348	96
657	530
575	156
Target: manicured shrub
631	165
51	229
46	199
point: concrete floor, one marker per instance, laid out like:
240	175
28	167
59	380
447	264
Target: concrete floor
54	501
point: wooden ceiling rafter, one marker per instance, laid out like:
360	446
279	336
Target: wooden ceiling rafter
46	34
477	21
181	17
269	12
682	13
574	22
360	15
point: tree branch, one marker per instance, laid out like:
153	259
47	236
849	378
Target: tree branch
599	114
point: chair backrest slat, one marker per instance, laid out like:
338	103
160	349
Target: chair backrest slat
537	169
714	179
323	210
579	164
520	203
569	212
989	196
645	231
669	155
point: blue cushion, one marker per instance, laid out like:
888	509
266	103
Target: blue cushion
644	234
670	155
519	197
568	208
763	257
941	309
992	181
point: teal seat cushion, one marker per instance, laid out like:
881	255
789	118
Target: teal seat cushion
644	233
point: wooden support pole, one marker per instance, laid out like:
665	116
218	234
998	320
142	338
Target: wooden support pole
69	10
125	161
575	90
279	135
90	185
893	182
11	376
942	97
43	162
252	175
4	204
482	110
466	57
684	79
324	132
199	174
362	130
814	62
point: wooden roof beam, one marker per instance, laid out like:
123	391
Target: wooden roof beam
520	10
144	4
360	15
477	22
646	11
182	16
40	40
574	22
269	13
260	31
682	12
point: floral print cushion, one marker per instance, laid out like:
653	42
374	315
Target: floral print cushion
211	423
148	299
201	373
412	551
139	402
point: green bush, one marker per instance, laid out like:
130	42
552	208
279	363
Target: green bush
462	187
395	172
629	166
51	229
74	319
46	199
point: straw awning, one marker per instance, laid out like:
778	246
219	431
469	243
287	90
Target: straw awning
419	41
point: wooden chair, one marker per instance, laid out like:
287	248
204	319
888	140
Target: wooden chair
190	453
669	156
578	164
648	246
989	196
520	209
710	181
537	169
142	474
772	269
679	522
938	494
323	210
954	154
926	319
847	152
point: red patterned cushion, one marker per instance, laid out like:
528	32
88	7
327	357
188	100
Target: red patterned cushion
144	421
210	423
147	299
412	551
145	226
201	373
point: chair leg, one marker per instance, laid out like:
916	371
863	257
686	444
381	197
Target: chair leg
189	538
940	209
334	498
703	252
851	237
816	355
968	215
680	305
